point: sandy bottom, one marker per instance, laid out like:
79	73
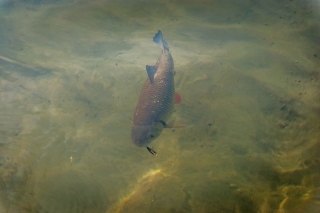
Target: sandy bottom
248	75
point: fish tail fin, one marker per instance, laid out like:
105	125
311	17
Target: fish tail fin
158	38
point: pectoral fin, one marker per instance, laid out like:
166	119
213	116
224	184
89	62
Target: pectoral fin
177	98
176	123
151	70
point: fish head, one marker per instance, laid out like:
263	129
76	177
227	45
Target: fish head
142	135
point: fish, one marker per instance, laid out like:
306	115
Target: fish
156	102
151	151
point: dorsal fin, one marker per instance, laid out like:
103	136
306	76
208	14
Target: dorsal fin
151	70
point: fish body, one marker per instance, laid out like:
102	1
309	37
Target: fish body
156	101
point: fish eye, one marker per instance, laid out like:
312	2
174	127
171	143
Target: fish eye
151	136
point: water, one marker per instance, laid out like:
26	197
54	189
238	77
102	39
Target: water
248	74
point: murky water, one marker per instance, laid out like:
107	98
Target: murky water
247	129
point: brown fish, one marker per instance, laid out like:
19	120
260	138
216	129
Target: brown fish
155	105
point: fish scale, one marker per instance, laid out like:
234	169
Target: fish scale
156	101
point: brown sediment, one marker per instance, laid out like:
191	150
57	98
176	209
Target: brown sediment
142	186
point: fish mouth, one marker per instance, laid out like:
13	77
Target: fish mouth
139	135
136	141
139	143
